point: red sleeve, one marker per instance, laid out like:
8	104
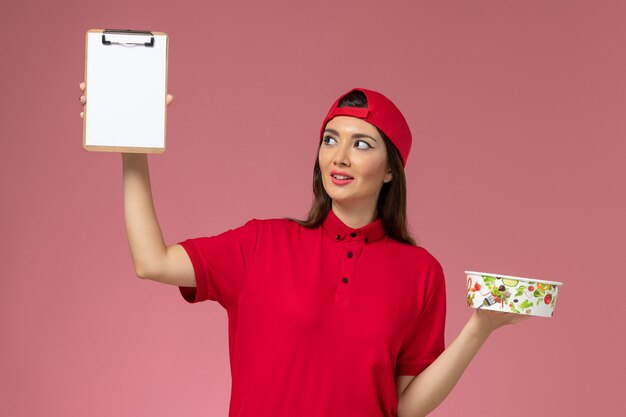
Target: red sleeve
426	339
220	264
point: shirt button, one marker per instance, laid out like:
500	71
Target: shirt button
365	240
349	254
353	234
338	237
345	280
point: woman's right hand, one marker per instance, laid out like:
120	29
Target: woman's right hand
83	100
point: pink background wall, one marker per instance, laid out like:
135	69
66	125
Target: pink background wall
518	167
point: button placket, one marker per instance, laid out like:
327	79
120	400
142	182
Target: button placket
350	251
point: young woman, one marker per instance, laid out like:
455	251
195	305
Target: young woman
341	314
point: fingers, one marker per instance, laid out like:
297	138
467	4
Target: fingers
82	98
169	98
82	102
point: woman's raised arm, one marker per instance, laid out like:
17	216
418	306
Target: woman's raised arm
151	257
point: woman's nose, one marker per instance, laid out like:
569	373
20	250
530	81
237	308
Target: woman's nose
342	155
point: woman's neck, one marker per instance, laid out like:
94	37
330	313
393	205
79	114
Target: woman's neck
353	216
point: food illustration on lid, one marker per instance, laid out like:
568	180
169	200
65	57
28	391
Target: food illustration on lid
511	294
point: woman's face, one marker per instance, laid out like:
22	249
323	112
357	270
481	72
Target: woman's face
355	148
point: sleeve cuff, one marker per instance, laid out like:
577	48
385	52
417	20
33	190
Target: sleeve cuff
412	369
200	291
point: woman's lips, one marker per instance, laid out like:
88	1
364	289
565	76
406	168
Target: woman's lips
337	181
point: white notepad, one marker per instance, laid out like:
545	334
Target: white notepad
125	91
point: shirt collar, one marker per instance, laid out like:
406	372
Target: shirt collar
339	231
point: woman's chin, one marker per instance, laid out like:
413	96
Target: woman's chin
341	197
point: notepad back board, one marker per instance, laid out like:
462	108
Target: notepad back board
125	92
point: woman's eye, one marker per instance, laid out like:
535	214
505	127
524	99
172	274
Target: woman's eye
360	144
367	145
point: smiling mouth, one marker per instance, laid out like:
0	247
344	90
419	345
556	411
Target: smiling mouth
341	177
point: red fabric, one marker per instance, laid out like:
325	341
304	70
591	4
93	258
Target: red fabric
320	320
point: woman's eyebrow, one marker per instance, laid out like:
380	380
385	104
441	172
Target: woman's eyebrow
354	136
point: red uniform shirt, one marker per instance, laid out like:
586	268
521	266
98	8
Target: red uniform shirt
320	320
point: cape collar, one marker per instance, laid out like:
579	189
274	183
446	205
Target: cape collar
339	231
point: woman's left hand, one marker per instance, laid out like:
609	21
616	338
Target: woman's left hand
487	321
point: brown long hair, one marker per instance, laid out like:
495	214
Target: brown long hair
391	200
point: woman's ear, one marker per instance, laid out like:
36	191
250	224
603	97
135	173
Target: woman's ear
389	176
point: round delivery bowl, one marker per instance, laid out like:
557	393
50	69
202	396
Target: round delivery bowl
511	294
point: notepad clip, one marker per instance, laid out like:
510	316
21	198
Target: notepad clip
127	37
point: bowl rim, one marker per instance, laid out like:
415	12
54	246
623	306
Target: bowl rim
514	277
